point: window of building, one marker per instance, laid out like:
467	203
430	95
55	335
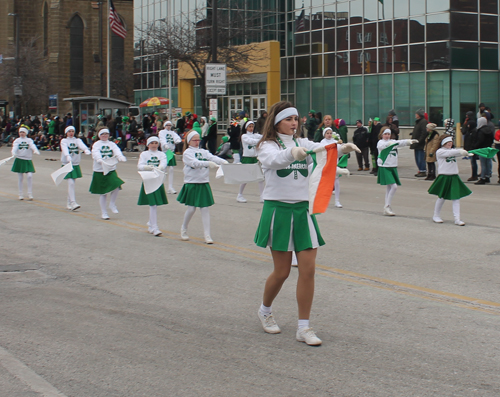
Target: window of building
464	55
489	28
438	27
401	31
438	5
438	56
76	54
385	60
417	29
489	6
489	57
417	57
464	26
463	5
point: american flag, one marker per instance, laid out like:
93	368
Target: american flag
115	22
299	22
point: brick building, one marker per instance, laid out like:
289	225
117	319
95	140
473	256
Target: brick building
72	35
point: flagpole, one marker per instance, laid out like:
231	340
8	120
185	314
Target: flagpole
109	56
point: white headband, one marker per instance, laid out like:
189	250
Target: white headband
68	128
152	139
191	135
326	129
103	131
24	129
446	140
386	131
249	122
168	122
284	114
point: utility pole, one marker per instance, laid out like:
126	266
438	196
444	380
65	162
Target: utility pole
17	86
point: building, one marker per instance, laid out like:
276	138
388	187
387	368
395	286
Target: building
358	59
70	37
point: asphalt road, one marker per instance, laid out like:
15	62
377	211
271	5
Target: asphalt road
404	307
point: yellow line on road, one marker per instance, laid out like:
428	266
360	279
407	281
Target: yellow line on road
344	275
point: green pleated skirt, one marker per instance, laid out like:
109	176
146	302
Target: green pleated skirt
287	227
158	197
75	174
449	187
196	195
22	166
249	160
388	176
103	184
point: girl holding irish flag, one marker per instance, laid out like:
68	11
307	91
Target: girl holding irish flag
388	166
286	224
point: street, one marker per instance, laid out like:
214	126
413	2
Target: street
404	306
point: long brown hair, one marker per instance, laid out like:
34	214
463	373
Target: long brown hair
270	131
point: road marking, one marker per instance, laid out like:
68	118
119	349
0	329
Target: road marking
327	271
28	376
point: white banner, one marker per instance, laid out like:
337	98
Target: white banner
107	166
58	176
2	162
152	180
236	174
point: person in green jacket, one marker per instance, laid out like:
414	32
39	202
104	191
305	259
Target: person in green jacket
342	128
53	124
327	122
196	124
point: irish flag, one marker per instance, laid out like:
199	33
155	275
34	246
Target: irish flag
322	179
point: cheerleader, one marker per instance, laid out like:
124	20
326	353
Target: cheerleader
448	185
102	184
71	152
168	140
148	160
332	137
196	192
286	225
23	149
387	166
249	140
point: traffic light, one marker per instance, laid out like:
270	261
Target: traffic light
367	67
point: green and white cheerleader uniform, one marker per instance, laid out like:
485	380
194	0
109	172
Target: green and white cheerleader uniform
388	161
103	184
249	142
168	140
22	150
285	223
196	191
155	159
448	184
71	150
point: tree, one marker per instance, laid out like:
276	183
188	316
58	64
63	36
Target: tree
188	39
34	78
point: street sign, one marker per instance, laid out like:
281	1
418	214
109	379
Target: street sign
18	90
215	78
53	101
213	104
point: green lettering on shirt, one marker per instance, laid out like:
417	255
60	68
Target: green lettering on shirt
23	145
451	160
73	149
106	152
296	167
154	161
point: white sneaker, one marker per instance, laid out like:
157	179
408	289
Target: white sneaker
460	223
105	216
437	219
388	211
113	209
269	323
184	235
171	191
30	197
208	239
308	336
74	206
337	204
21	197
241	199
156	232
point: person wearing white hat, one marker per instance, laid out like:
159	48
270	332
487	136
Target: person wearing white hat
71	152
23	149
448	185
285	223
101	184
196	192
148	161
249	141
168	140
387	163
329	136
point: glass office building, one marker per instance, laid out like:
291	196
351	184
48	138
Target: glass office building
360	58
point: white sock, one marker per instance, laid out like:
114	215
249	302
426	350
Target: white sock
265	310
242	187
102	202
20	178
391	191
205	219
29	179
71	190
236	157
303	324
456	209
112	197
152	217
337	190
187	217
438	207
170	177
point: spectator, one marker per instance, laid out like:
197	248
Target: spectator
432	144
419	133
342	127
394	117
146	125
224	149
234	132
259	125
327	123
180	125
311	125
212	135
374	133
361	140
482	108
484	140
469	133
496	141
69	120
389	124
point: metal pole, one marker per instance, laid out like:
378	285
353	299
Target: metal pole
214	31
101	88
109	57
